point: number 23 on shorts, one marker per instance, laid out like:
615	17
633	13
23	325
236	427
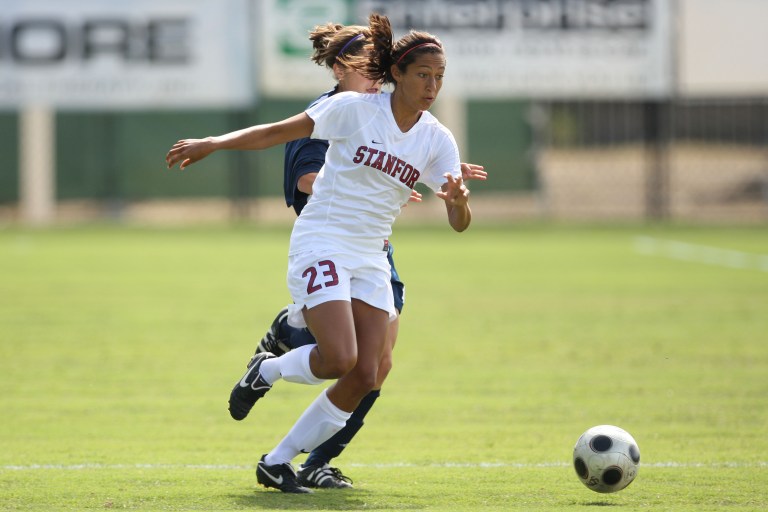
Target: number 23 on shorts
320	276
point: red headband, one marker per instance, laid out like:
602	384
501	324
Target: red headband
409	50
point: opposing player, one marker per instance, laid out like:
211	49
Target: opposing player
332	44
380	146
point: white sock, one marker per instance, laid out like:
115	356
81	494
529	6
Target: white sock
292	366
316	425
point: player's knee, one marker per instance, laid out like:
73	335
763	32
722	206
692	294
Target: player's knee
336	360
384	368
341	364
366	379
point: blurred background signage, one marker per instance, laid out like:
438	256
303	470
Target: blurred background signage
137	54
499	48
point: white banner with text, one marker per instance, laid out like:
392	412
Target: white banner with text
139	54
494	48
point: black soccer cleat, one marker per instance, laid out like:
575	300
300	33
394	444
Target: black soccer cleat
272	341
249	389
323	476
279	476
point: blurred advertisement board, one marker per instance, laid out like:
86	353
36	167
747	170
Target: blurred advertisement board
134	54
722	46
495	48
283	32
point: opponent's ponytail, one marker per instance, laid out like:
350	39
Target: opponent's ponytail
333	43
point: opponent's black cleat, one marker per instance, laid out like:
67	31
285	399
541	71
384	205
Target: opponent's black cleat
323	476
250	388
279	476
272	341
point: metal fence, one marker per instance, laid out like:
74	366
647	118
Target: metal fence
691	160
681	160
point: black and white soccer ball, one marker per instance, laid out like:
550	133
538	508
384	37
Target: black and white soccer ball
606	458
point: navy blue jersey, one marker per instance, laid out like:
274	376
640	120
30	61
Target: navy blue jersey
302	156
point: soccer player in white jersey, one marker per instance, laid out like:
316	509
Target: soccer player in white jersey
338	274
332	44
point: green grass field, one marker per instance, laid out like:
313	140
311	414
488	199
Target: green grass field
119	346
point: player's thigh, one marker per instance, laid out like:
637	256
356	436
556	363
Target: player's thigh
333	326
371	325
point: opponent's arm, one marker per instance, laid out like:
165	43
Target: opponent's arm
305	182
473	172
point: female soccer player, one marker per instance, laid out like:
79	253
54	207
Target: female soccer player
338	274
333	44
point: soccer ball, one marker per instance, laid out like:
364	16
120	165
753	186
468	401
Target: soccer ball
606	458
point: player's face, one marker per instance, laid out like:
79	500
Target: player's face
353	81
421	81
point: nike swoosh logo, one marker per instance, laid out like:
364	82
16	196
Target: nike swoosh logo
376	142
243	383
278	481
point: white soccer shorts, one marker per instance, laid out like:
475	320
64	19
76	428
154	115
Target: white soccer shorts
315	277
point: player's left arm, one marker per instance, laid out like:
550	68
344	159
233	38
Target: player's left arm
468	172
456	197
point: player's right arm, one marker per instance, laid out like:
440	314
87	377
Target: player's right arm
188	151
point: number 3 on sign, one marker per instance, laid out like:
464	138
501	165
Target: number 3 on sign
332	278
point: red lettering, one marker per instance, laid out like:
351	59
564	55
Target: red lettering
389	164
398	167
391	159
371	153
414	178
359	154
379	161
407	171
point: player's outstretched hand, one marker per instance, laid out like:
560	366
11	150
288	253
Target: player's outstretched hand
454	192
473	172
189	151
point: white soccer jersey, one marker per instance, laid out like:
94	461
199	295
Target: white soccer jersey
370	168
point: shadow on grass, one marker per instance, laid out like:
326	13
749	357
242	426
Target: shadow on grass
600	504
351	499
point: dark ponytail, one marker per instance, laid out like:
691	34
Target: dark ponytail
384	51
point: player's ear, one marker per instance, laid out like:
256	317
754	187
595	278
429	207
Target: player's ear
397	74
338	71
